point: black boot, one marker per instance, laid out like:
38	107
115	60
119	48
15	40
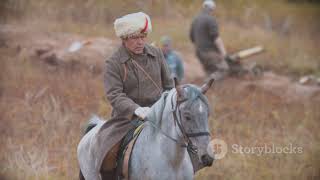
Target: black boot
108	175
81	176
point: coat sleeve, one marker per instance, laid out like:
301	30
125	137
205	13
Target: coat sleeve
167	82
114	91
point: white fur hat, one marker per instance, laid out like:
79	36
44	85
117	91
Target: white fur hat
209	4
132	24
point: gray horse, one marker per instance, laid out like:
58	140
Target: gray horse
174	143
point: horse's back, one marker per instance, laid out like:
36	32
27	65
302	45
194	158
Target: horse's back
84	149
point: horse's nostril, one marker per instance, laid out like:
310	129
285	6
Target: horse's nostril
207	160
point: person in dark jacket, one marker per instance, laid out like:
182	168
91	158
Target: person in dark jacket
135	77
209	46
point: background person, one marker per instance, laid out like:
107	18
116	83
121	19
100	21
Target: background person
210	50
173	59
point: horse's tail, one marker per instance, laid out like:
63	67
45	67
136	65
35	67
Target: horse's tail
93	121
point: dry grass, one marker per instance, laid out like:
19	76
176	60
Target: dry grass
43	111
255	118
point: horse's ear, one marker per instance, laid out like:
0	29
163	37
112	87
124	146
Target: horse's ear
207	86
178	88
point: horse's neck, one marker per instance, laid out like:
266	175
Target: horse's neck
167	127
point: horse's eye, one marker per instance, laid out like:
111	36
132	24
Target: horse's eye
188	118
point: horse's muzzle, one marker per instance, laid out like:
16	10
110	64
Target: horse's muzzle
207	160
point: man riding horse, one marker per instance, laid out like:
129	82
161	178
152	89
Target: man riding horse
135	77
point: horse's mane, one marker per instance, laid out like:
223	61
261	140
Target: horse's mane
192	93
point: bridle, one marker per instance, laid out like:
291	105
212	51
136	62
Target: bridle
191	148
187	142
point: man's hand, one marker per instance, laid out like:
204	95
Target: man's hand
142	112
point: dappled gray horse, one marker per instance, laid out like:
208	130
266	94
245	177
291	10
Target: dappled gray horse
174	142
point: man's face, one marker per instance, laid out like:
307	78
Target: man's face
136	44
165	48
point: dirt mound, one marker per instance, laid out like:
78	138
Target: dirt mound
275	85
55	49
284	87
281	87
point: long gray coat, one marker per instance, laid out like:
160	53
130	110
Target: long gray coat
128	88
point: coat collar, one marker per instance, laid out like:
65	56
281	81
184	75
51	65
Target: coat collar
125	54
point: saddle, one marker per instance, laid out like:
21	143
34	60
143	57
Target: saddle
117	160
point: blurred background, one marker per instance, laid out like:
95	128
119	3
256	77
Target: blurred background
48	93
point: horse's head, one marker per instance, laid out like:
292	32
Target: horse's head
193	109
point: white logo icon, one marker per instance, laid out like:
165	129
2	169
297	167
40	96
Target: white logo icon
219	148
